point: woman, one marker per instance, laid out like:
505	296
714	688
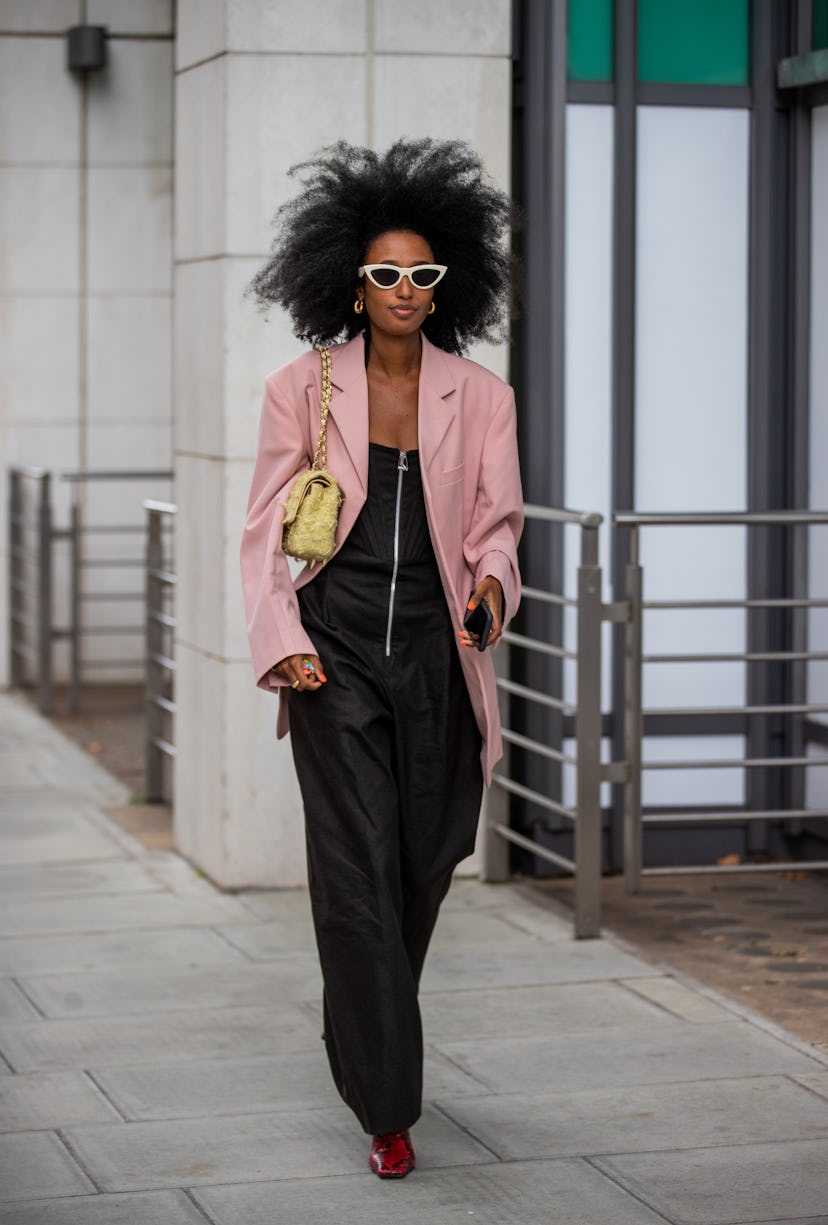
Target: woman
392	710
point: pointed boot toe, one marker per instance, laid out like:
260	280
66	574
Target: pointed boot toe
392	1155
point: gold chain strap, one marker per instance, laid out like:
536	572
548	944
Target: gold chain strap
320	455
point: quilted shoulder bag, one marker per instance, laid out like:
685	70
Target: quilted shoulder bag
312	507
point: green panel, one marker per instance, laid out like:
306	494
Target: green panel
590	40
820	41
694	42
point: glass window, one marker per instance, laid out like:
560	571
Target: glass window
820	40
698	42
590	40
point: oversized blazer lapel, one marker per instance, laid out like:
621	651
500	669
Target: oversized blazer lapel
437	408
349	408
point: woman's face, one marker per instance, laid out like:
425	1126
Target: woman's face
399	311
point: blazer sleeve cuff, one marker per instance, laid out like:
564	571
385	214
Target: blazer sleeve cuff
297	643
497	565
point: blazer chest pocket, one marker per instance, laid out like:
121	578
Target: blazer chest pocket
452	475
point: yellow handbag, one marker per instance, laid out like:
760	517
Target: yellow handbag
312	507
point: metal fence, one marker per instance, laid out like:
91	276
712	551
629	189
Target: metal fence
579	723
585	814
636	819
34	539
159	625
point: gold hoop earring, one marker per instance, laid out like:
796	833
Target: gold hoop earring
359	306
432	308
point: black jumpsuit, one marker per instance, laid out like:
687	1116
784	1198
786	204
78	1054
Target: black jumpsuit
388	759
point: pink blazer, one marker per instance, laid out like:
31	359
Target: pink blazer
471	480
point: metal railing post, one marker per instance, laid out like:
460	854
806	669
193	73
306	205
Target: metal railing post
588	836
154	768
75	628
15	604
496	800
44	596
633	719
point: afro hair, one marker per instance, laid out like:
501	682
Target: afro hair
349	197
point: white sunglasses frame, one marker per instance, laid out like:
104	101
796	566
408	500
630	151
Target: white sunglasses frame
367	269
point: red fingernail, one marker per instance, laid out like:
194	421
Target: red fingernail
322	676
471	604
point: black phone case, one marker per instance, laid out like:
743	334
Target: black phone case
479	621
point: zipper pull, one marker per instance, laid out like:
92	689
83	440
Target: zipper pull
402	463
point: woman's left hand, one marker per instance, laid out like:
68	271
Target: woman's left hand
490	590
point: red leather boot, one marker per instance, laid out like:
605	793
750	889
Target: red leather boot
392	1155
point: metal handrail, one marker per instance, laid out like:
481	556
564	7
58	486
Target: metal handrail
585	816
635	712
723	518
159	627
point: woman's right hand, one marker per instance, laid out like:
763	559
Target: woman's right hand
302	671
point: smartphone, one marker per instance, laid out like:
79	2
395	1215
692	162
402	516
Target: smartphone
479	621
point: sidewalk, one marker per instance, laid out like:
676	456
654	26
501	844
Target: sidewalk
161	1062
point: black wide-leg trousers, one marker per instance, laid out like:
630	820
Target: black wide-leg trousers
388	759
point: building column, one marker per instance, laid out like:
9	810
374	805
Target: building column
262	85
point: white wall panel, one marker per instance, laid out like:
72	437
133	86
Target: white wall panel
446	97
282	109
817	778
129	123
131	17
44	16
691	360
38	102
691	402
432	26
130	228
588	349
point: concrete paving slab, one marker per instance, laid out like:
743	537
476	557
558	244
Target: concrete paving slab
195	1152
203	1088
817	1082
286	904
645	1054
13	1004
176	874
537	921
30	1103
21	724
35	1164
723	1186
680	1000
32	766
206	1087
94	950
145	1208
60	767
33	916
472	894
270	941
205	1033
522	1011
528	964
633	1118
519	1193
473	927
117	876
57	835
170	988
